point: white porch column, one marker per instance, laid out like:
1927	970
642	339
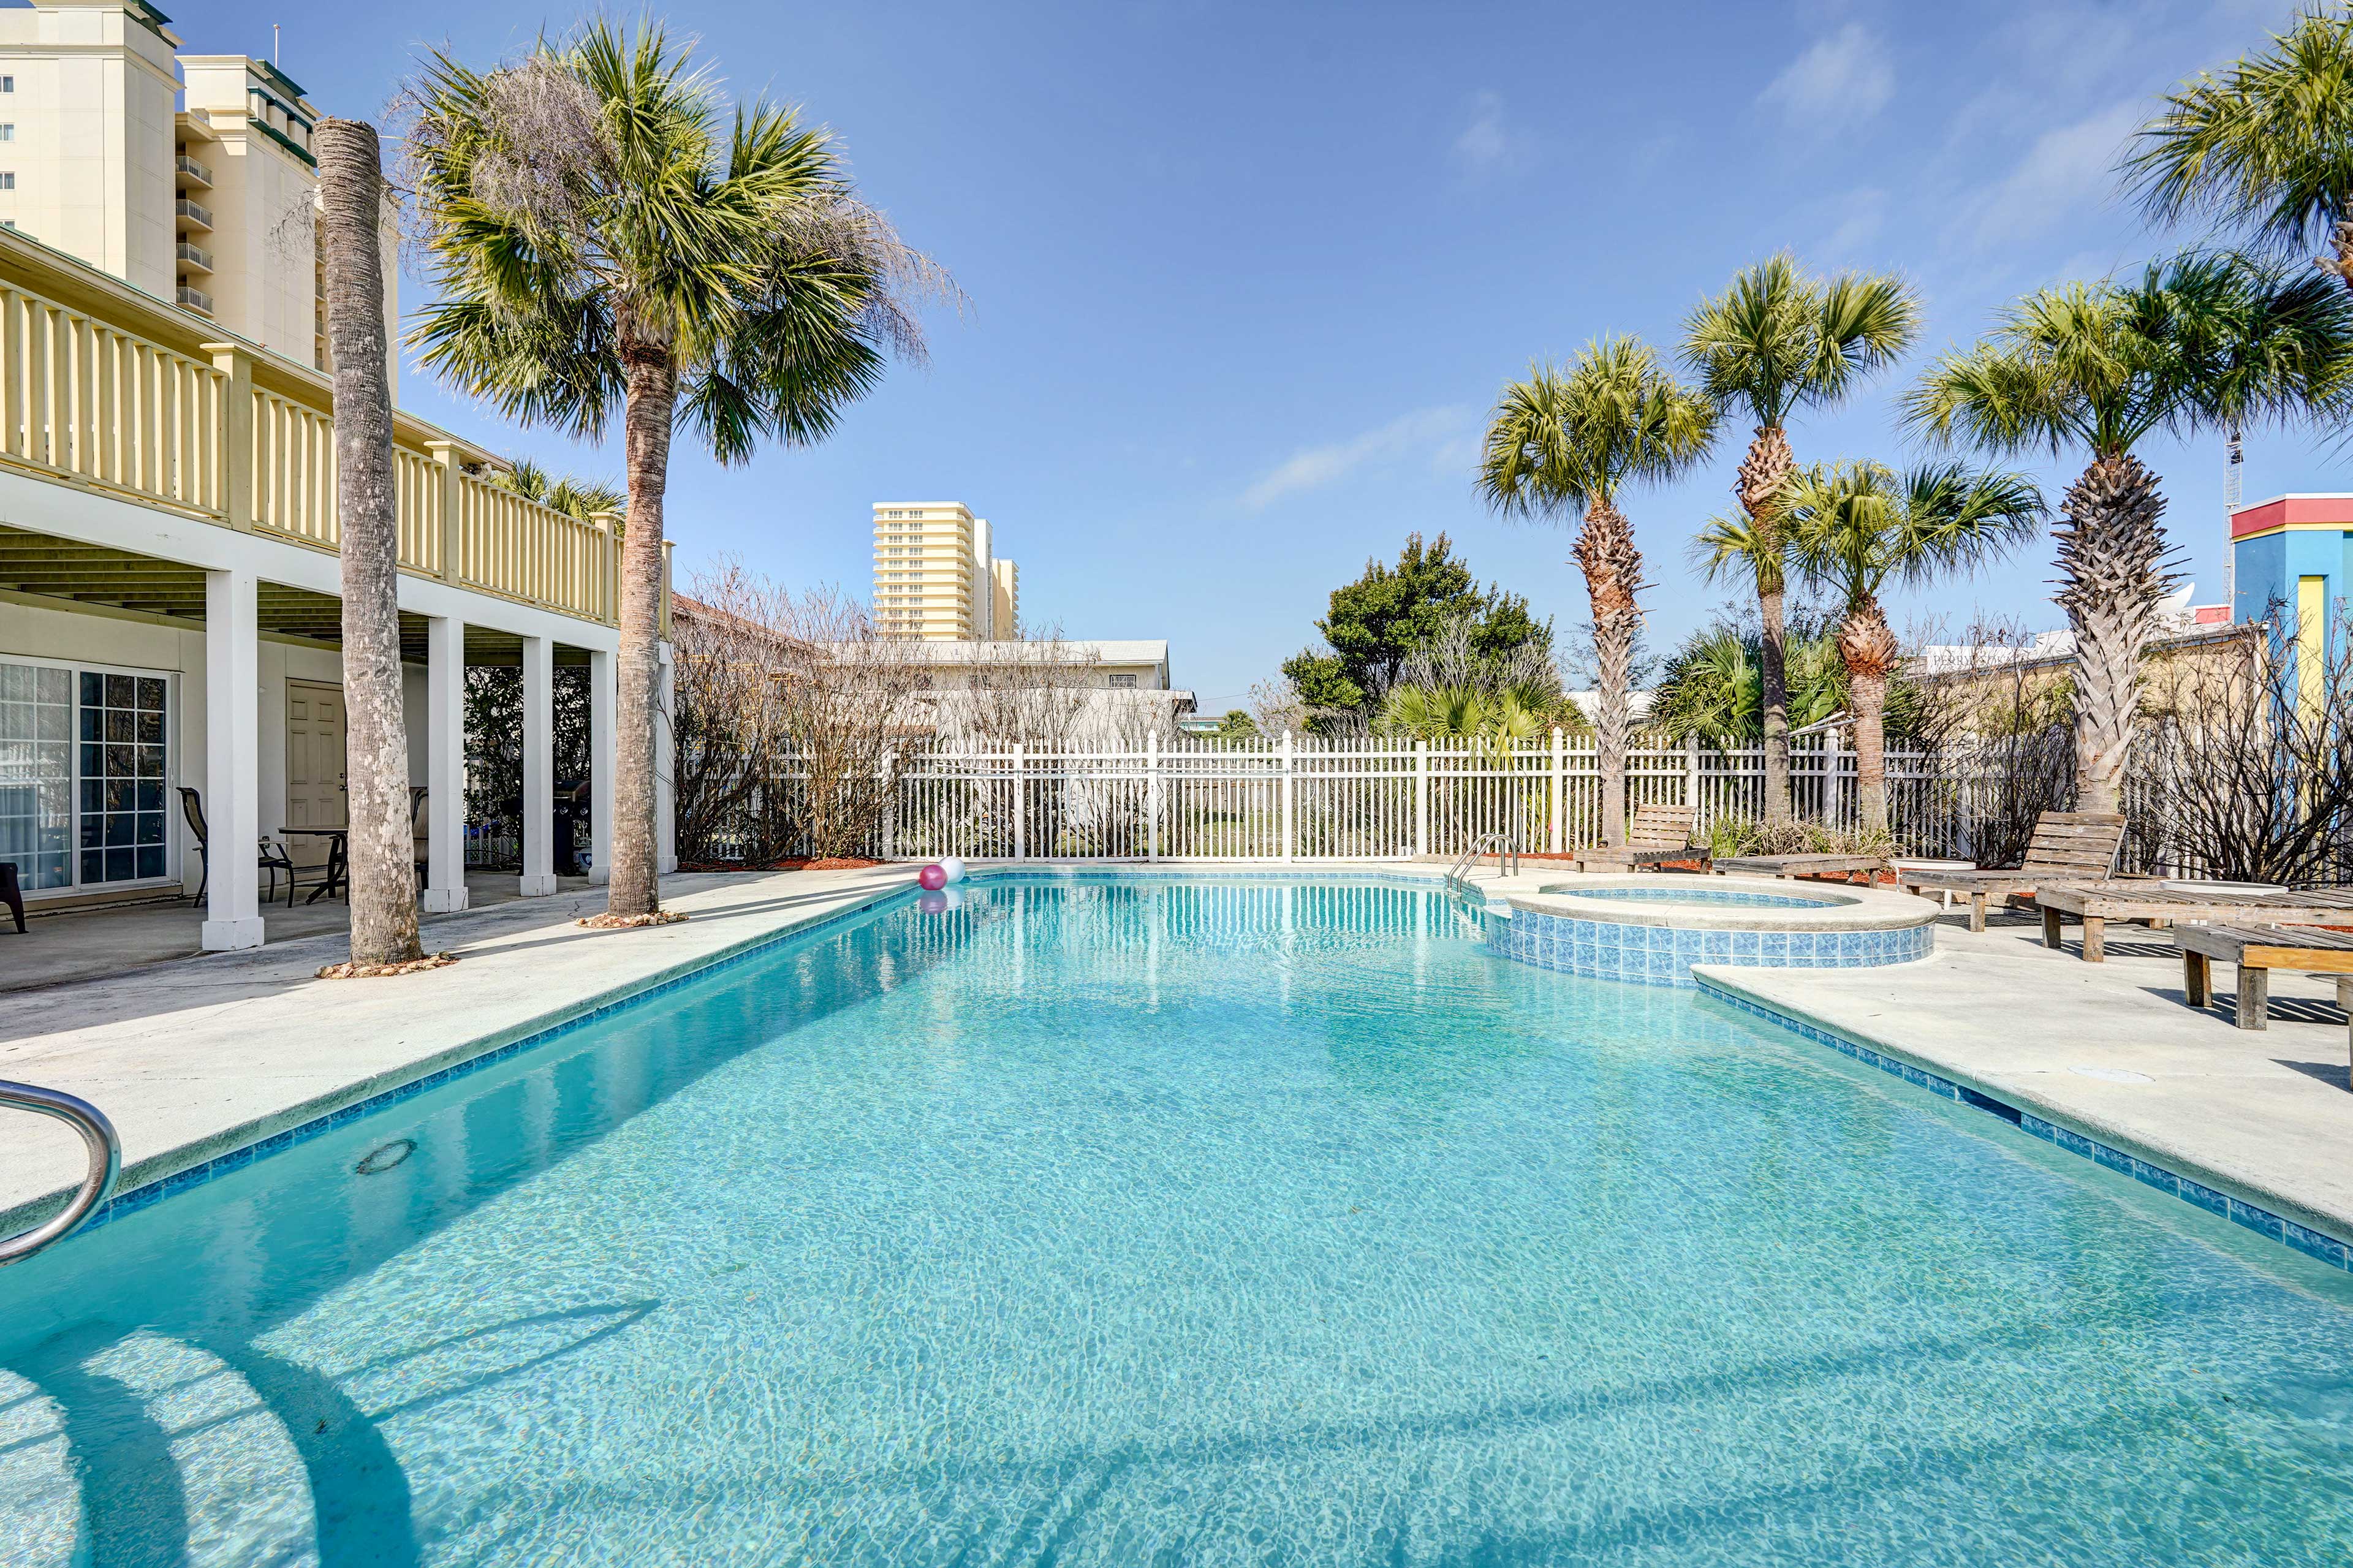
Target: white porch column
666	764
604	703
538	767
232	761
445	765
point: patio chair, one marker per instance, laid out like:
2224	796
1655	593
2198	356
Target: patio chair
420	844
12	893
272	856
2067	846
1659	834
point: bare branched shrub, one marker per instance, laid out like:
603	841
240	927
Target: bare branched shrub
794	719
1036	693
2244	770
2002	726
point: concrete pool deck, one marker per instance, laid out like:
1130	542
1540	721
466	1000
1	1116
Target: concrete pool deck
197	1057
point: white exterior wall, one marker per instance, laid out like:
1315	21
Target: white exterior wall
34	631
93	146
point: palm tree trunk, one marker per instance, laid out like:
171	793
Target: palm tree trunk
634	887
2111	558
381	845
1870	651
1613	571
1762	474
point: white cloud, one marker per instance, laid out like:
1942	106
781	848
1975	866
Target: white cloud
1842	80
2068	172
1487	144
1431	430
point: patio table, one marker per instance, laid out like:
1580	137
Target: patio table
2096	903
338	839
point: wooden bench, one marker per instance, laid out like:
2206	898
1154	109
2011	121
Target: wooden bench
1659	834
1787	866
2097	903
2067	845
2257	950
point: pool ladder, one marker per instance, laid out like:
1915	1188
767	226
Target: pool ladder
97	1185
1504	846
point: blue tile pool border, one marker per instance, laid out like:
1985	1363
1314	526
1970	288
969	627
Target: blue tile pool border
1664	954
2238	1211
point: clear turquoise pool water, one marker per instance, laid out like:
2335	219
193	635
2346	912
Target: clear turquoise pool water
1175	1223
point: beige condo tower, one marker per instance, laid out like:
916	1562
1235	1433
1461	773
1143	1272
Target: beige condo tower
936	577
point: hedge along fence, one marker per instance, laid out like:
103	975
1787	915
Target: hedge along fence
1384	798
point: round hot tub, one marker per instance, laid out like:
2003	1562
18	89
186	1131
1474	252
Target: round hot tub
1652	930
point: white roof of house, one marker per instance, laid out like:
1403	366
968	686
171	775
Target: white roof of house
1132	650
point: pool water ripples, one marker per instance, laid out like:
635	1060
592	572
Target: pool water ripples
1177	1223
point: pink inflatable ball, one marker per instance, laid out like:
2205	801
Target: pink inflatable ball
932	878
933	903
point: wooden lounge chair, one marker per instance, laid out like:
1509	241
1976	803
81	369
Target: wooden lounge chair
1658	833
1787	866
2257	950
2068	845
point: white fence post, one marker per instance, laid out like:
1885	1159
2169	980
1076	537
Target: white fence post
1020	808
890	799
1833	778
1152	795
1691	773
1421	797
1553	812
1286	795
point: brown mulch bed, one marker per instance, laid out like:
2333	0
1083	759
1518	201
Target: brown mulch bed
384	971
791	863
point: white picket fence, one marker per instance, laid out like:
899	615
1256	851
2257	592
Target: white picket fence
1368	799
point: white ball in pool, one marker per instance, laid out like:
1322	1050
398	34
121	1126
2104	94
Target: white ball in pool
955	869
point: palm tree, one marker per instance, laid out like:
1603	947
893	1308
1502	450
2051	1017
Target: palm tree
585	499
1777	342
2267	146
2198	341
375	736
1569	441
603	241
1854	526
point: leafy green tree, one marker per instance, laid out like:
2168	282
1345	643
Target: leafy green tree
2198	341
1237	725
2265	146
1383	618
1566	442
605	240
1777	342
1854	526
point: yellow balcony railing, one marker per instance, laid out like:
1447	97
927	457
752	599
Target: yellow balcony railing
104	388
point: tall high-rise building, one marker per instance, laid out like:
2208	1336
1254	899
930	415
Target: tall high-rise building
936	577
188	176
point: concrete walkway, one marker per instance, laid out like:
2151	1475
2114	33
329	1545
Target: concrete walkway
209	1055
2111	1050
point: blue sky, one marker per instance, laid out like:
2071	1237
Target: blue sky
1245	278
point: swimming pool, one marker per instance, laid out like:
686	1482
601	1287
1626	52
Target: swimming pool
1117	1222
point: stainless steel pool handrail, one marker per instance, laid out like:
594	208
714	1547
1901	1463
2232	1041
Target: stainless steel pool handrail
97	1186
1497	842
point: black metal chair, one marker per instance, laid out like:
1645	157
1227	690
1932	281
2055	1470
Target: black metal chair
272	857
12	893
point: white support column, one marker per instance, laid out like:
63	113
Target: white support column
538	767
445	765
232	761
666	764
603	707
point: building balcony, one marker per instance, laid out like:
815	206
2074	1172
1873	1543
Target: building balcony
205	426
192	214
189	173
195	257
